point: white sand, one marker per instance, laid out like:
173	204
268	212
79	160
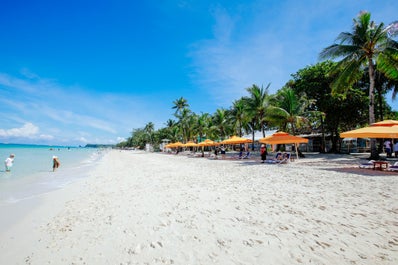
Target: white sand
141	208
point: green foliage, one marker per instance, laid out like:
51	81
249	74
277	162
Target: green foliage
331	95
366	44
315	82
288	110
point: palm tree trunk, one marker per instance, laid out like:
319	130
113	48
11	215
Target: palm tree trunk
373	150
323	148
371	92
253	133
380	103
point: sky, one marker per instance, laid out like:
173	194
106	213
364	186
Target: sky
79	72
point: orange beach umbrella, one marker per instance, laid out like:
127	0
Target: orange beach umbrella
236	140
208	142
283	138
174	145
385	123
190	144
372	132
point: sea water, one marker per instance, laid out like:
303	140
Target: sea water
32	174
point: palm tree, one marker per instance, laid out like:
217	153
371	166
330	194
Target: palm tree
191	125
382	86
180	104
220	122
202	124
183	122
170	123
256	106
238	116
288	110
149	129
182	113
367	45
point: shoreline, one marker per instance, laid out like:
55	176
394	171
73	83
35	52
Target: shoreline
165	209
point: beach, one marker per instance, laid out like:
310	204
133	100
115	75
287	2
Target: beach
149	208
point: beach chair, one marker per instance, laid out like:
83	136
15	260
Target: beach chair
285	159
247	156
275	159
393	167
213	156
368	165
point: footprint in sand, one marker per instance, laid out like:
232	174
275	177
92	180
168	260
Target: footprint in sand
156	244
252	242
137	249
163	260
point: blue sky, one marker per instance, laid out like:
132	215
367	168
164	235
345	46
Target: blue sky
77	72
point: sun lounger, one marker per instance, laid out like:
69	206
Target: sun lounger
275	160
247	156
393	167
285	159
213	157
369	164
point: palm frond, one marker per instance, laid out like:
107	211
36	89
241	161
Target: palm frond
387	62
349	72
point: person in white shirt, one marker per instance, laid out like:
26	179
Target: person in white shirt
387	146
396	148
9	162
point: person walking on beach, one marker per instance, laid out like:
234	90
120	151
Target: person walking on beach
263	153
56	163
9	162
387	146
395	147
223	152
216	152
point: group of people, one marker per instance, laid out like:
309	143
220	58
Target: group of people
389	148
263	152
9	162
280	157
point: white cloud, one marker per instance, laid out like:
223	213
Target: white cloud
64	110
28	130
83	140
238	56
268	42
46	137
120	139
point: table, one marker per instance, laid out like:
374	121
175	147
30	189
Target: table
380	165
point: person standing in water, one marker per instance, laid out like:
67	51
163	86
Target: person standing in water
56	163
9	162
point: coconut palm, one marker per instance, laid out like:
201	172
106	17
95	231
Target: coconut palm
183	113
180	104
149	129
191	126
220	123
202	124
184	118
367	45
238	116
382	86
288	110
256	105
170	123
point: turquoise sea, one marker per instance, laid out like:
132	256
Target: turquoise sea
32	175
